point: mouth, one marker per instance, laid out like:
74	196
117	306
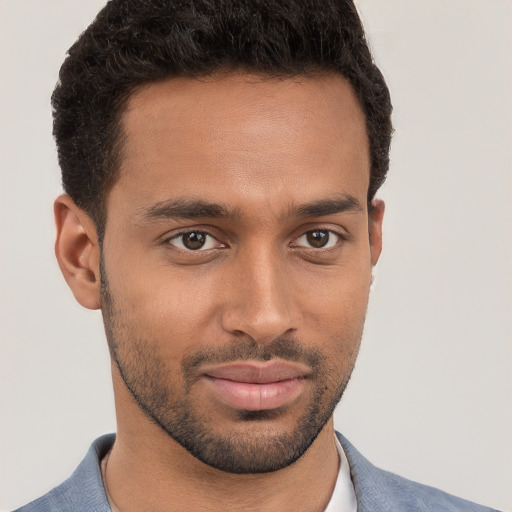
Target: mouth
257	386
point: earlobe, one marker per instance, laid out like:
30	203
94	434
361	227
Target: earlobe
78	251
375	217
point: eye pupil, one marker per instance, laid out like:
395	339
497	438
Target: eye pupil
194	241
317	238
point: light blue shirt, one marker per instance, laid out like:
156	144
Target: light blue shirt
376	490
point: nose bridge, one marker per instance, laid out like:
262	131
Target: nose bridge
261	302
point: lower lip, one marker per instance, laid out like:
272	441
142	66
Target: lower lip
256	397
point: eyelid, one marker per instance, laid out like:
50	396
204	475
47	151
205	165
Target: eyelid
341	237
329	244
338	232
169	238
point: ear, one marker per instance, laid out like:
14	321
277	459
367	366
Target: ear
78	251
375	217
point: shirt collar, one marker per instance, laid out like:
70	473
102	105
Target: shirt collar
343	498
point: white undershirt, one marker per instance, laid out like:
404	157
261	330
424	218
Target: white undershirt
343	498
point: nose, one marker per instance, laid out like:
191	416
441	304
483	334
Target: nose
260	301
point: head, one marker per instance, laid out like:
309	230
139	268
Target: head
221	161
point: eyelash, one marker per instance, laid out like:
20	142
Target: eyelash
340	238
180	235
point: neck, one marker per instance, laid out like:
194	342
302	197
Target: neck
147	470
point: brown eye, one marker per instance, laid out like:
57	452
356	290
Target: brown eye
194	241
317	238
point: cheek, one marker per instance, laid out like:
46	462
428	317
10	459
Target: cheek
334	306
163	305
179	307
175	308
338	294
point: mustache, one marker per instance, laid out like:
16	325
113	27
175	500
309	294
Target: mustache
282	347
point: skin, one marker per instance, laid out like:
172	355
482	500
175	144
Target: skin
261	148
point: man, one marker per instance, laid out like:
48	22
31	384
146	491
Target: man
221	162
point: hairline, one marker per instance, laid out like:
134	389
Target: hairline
99	213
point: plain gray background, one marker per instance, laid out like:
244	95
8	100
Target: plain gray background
431	397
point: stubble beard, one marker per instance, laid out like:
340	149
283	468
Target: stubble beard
260	449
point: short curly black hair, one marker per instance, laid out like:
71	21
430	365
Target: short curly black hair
134	42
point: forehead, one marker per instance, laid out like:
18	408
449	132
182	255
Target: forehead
244	137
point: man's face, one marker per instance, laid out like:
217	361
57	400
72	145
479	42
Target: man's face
237	261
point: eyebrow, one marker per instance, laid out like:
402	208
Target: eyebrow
184	209
341	204
199	209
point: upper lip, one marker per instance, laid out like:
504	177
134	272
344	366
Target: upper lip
256	372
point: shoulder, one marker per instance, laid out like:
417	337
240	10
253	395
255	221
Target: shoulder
83	490
381	491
